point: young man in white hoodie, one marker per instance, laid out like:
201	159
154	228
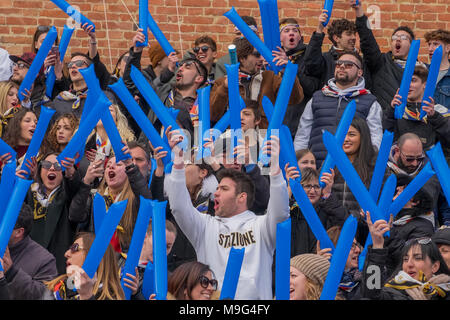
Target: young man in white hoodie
327	105
233	224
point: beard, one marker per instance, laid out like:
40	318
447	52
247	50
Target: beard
407	169
344	79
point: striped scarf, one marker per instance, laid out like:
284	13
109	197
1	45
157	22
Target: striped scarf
437	287
327	91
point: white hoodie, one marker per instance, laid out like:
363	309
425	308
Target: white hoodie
213	237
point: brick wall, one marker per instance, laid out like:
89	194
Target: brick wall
184	20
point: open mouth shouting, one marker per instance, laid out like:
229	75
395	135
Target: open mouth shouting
51	176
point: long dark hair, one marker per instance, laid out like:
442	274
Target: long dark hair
185	277
429	249
12	131
364	162
40	30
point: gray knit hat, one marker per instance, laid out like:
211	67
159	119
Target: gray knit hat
313	266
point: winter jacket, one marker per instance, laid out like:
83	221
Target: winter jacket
32	265
324	110
309	85
430	131
322	65
330	212
54	226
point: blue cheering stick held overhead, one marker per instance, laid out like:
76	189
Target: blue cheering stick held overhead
143	22
341	133
432	78
73	13
159	36
281	104
63	44
440	166
328	5
37	63
406	78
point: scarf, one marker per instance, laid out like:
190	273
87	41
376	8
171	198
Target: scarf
328	91
109	200
73	95
414	213
350	280
41	201
437	287
193	111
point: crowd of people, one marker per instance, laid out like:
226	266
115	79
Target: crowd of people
228	199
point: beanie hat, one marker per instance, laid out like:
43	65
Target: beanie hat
442	236
156	54
313	266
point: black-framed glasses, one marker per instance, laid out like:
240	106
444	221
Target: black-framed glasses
188	63
21	65
47	165
75	247
346	63
308	187
256	54
413	158
77	63
204	282
402	37
203	48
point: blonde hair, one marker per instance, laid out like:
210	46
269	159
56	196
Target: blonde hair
5	86
129	216
122	126
108	282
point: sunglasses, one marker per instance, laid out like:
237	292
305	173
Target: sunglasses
308	187
43	28
402	37
47	165
75	247
203	48
412	158
256	54
422	240
77	63
204	282
189	63
347	64
21	65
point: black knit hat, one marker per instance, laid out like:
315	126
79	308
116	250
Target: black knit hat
442	235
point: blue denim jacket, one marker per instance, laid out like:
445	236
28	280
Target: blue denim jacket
442	92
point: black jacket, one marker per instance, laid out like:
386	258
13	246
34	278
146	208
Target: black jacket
55	230
330	212
322	65
386	74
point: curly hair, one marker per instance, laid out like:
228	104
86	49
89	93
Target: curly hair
50	143
439	35
339	26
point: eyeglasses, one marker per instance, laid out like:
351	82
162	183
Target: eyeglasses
77	63
402	37
347	64
21	65
308	187
189	63
412	158
356	245
203	48
204	282
75	247
256	54
47	165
